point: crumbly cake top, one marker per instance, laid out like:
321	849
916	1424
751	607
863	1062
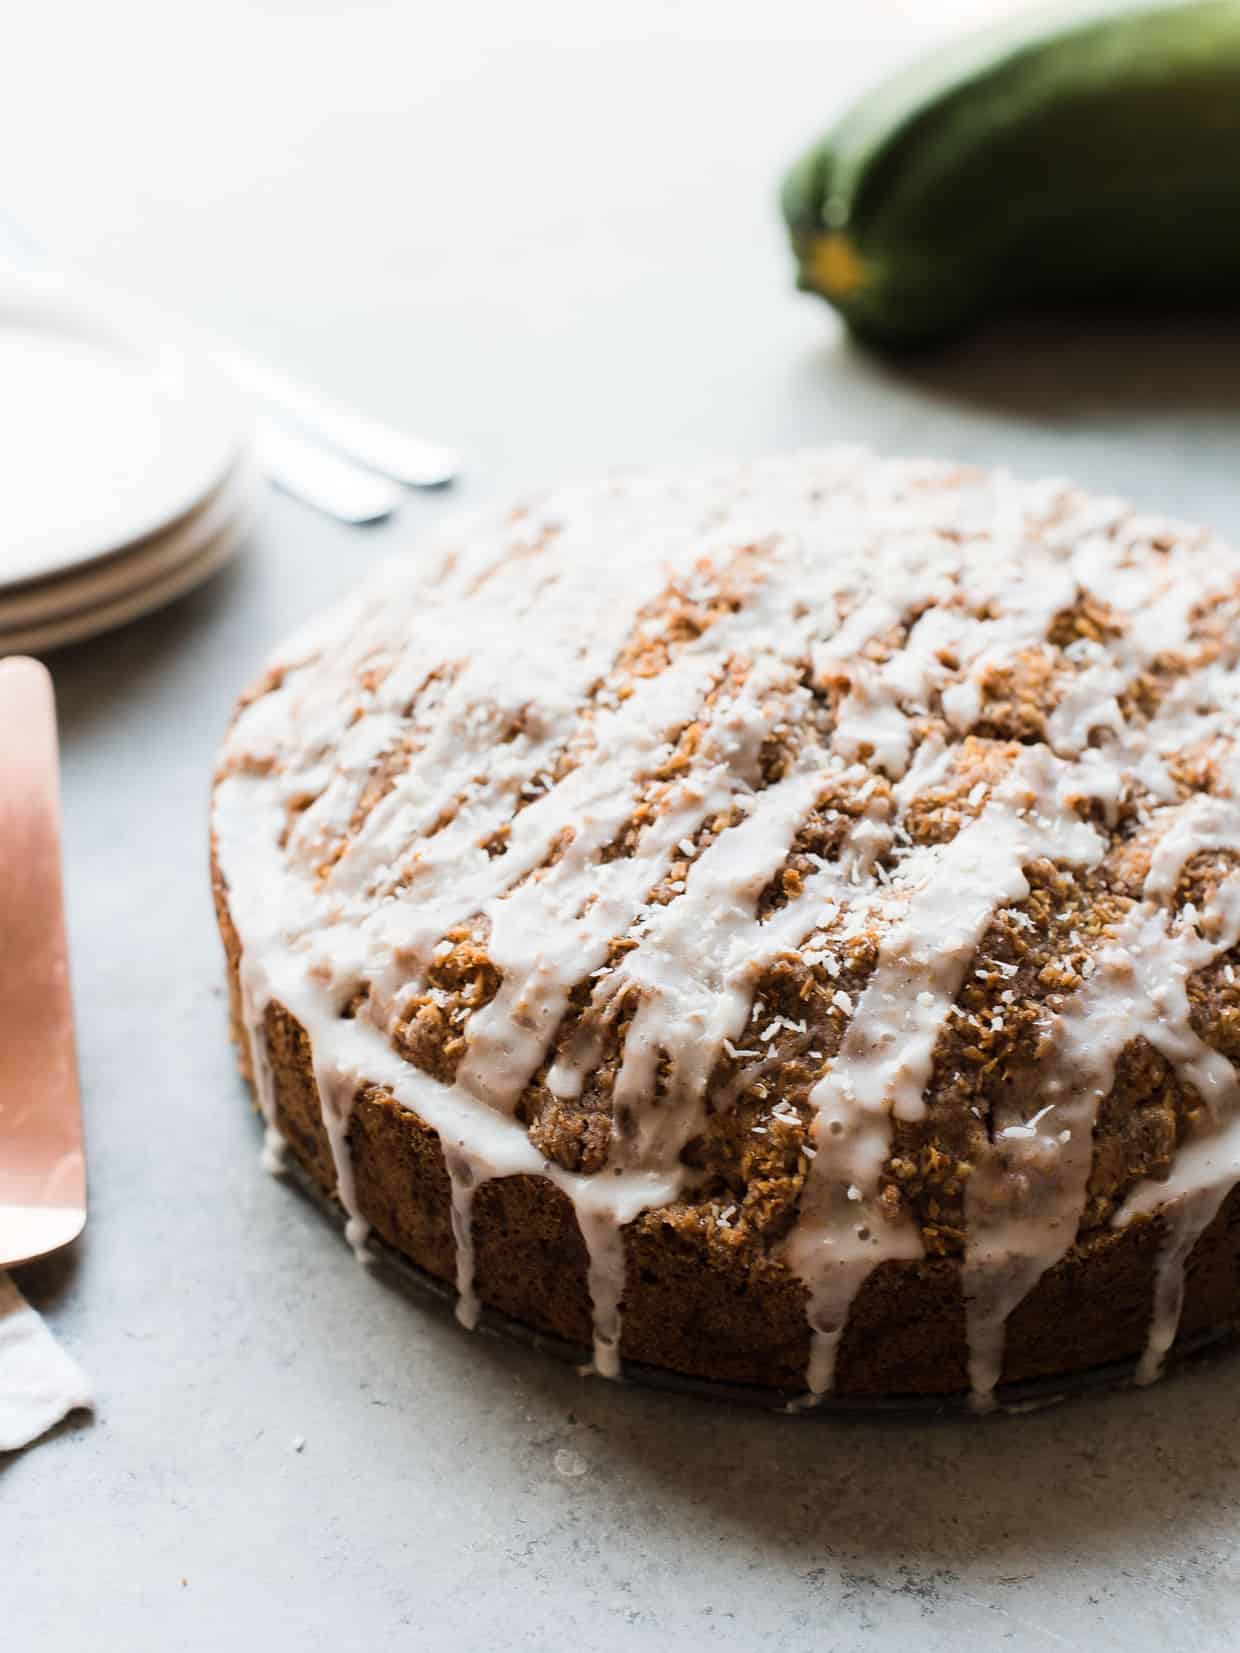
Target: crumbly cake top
838	852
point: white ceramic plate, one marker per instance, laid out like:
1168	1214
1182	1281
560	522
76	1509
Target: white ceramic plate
105	581
108	432
101	617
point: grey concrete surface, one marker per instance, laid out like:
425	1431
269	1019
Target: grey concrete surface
544	233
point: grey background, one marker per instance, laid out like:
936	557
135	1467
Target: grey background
544	232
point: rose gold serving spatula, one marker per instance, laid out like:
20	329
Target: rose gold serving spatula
42	1158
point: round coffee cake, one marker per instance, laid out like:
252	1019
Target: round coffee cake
776	924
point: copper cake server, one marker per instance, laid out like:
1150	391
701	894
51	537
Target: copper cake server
42	1154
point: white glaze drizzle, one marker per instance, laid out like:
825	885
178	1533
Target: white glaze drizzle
884	1063
463	1183
815	548
254	1001
1025	1202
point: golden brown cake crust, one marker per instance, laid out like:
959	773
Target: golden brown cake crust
692	1308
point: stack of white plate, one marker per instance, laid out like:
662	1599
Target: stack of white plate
124	480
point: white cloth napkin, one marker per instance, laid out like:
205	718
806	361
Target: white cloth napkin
39	1384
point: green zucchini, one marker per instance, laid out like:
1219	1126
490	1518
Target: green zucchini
1076	156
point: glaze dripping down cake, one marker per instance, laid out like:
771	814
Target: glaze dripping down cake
774	924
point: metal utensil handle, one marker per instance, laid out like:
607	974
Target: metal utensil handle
371	442
319	477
